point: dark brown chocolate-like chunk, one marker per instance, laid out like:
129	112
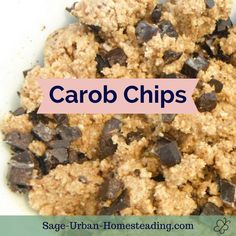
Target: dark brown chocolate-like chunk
134	136
68	133
196	212
209	3
36	118
111	188
19	178
18	140
106	145
43	132
102	63
209	45
25	157
217	85
167	28
206	102
20	171
222	27
193	65
157	13
168	152
168	118
111	127
119	204
210	209
116	56
97	33
171	56
228	193
61	119
77	157
59	144
159	178
55	157
144	31
19	111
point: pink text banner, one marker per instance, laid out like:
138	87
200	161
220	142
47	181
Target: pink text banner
118	96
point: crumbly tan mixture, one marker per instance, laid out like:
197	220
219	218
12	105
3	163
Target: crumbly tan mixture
206	141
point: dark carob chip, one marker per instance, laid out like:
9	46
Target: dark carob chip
144	31
168	118
20	171
19	111
206	102
18	140
43	132
168	152
25	157
68	133
210	209
77	157
19	178
228	193
171	56
107	147
55	157
59	144
110	189
119	204
222	27
156	14
159	178
61	119
167	28
209	45
217	85
134	136
209	3
116	56
102	63
193	65
38	118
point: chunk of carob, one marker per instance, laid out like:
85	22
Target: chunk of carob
18	140
20	171
145	31
116	56
68	133
228	193
166	28
157	13
111	188
171	56
54	157
210	4
119	204
210	209
194	65
106	145
217	85
43	132
168	152
206	102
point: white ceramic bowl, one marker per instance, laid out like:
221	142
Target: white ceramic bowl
25	25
